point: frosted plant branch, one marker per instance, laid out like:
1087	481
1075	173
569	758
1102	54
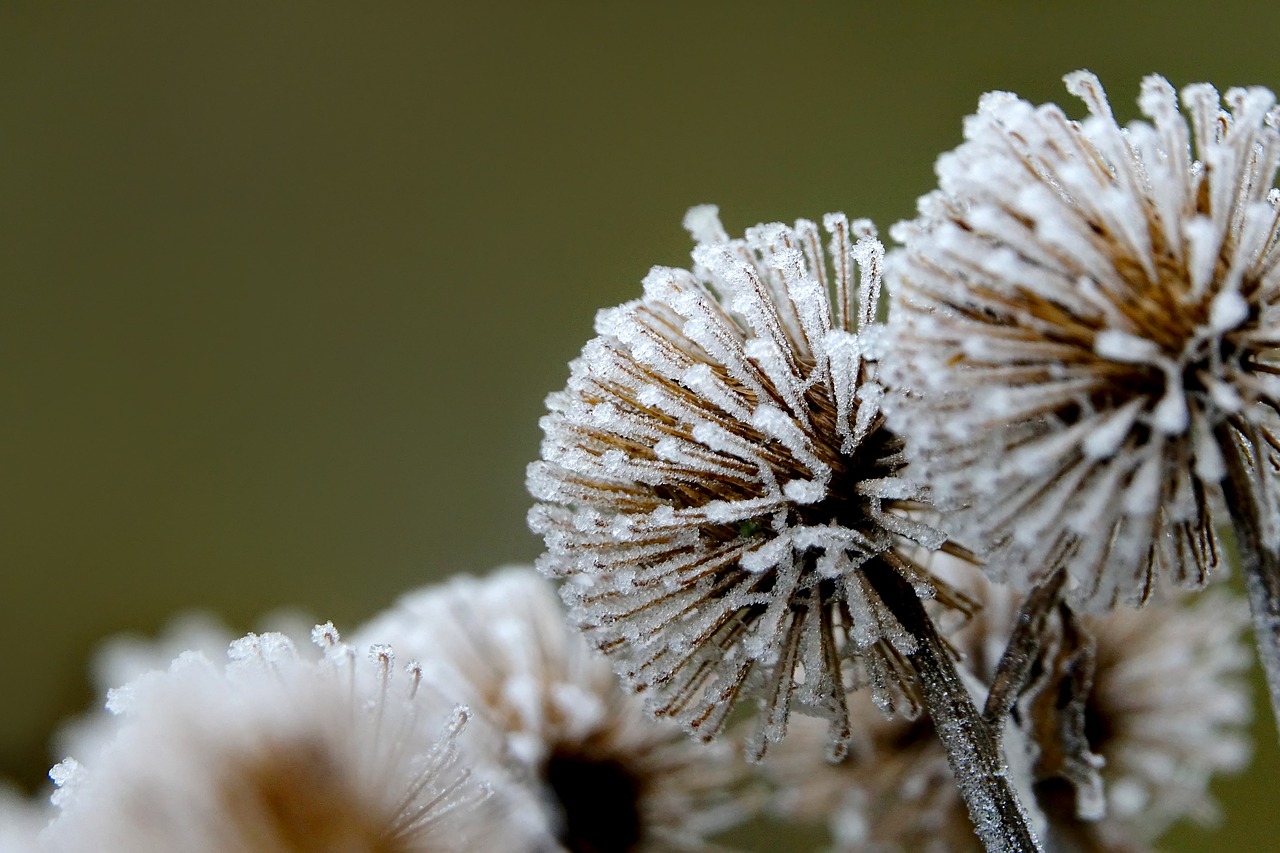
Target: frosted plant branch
1259	553
1023	648
973	750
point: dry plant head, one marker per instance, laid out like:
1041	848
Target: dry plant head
586	769
718	491
275	752
1084	325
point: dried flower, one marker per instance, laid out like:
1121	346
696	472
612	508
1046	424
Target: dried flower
273	752
592	772
1168	709
716	486
1083	331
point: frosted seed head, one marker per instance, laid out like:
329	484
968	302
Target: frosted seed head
718	432
230	756
1132	246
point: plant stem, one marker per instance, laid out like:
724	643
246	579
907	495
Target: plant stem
1260	562
1023	649
973	751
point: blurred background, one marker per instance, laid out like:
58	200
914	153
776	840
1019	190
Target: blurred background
283	286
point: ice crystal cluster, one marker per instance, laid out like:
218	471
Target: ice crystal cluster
1084	321
718	491
1167	708
273	752
589	771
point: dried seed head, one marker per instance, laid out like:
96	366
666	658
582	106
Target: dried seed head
716	482
1084	324
589	771
275	752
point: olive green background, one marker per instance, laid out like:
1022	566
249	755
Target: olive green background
283	285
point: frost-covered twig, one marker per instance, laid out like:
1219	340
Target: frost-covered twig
1259	553
1124	723
1023	648
973	750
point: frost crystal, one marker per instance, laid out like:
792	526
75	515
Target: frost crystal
717	488
1168	709
589	770
124	659
1084	326
274	751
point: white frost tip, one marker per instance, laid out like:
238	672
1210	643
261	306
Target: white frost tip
1170	415
1210	466
1141	498
767	556
1228	310
120	699
1118	345
1085	85
325	636
703	224
64	771
383	656
66	775
1109	434
804	491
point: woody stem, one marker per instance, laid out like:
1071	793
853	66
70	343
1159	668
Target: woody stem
972	749
1259	558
